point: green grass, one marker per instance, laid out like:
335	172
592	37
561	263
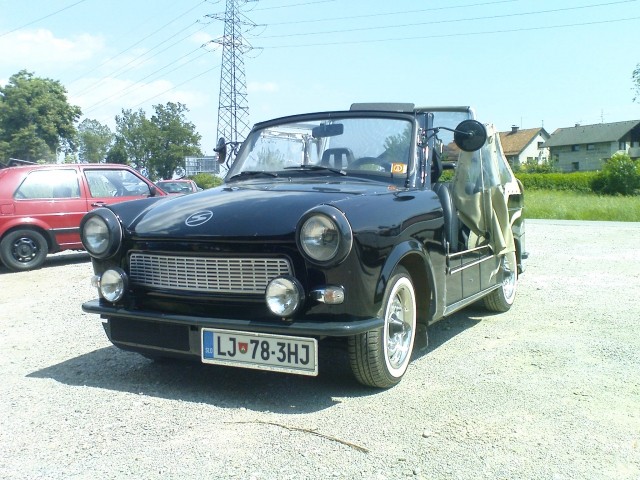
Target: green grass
565	205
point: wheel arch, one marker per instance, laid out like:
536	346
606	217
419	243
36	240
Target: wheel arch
51	242
415	259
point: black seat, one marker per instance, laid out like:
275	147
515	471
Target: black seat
451	222
337	158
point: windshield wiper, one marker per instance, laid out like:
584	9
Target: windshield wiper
253	173
316	168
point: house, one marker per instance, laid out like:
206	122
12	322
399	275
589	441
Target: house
525	145
587	147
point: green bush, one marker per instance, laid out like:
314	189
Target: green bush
575	181
620	175
206	180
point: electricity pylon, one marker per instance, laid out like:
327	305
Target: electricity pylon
233	106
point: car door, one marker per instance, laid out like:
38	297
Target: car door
52	200
106	186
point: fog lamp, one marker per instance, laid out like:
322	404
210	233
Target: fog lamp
284	296
113	284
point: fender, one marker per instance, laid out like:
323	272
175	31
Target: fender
415	258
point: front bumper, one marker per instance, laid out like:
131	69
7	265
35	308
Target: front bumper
308	328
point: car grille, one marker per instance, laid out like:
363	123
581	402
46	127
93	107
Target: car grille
206	274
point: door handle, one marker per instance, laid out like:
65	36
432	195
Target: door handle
99	204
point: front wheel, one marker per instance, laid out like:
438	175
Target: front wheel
380	357
23	250
501	299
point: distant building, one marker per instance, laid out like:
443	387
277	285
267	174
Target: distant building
525	145
587	147
195	165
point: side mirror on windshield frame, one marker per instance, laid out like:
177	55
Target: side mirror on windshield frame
221	150
470	135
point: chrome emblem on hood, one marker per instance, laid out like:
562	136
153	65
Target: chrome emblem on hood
198	218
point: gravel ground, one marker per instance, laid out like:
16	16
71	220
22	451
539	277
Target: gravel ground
549	390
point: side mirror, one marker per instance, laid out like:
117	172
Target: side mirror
470	135
221	150
153	191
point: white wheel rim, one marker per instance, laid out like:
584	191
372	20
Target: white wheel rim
510	278
399	327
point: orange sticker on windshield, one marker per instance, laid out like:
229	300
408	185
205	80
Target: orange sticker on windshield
398	168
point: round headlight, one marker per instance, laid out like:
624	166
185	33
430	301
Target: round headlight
319	238
284	295
324	235
113	284
101	233
96	235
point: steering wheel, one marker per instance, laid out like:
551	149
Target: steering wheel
378	164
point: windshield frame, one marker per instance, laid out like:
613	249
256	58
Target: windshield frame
260	128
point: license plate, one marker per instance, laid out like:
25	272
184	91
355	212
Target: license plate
261	351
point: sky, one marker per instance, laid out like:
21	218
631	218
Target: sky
528	63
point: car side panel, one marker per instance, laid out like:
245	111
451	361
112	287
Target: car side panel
59	217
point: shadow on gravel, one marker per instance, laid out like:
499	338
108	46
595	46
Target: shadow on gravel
56	260
227	387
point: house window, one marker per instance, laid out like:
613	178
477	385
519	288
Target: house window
576	166
540	144
591	146
622	145
575	148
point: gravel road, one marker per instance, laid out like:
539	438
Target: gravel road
549	390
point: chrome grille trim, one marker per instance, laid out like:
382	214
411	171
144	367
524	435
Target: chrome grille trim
206	274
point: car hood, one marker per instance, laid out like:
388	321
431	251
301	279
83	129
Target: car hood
246	210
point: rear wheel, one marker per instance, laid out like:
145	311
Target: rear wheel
501	299
23	250
380	357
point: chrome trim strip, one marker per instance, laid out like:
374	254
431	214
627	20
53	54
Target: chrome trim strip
468	265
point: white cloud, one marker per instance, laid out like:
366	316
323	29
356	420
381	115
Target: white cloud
268	87
35	49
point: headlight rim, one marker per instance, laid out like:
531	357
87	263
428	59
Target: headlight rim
343	227
114	229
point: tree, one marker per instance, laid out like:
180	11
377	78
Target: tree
118	152
636	83
174	139
134	135
620	175
94	140
36	119
158	145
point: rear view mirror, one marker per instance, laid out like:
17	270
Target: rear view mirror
221	150
470	135
327	130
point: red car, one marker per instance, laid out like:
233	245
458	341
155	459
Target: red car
41	206
178	187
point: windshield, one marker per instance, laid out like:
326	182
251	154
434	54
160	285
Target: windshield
377	145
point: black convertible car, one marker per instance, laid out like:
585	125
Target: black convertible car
358	225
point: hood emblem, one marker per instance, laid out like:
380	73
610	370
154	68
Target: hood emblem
198	218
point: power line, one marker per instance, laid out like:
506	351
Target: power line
435	22
446	35
387	14
135	44
134	61
41	18
138	84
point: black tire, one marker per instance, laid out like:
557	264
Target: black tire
501	299
22	250
380	357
